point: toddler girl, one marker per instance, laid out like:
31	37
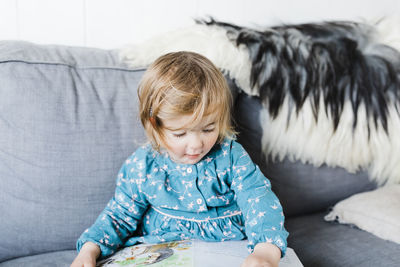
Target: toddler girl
192	180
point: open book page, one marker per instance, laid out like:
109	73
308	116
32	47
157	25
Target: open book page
178	253
232	253
189	253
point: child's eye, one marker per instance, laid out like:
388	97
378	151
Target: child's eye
208	130
179	134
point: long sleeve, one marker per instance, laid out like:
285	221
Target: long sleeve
261	208
122	214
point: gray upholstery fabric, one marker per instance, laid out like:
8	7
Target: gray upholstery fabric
321	244
51	259
301	188
68	119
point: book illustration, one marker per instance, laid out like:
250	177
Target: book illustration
188	253
157	255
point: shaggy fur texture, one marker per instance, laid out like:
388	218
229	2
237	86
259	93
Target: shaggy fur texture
330	90
209	41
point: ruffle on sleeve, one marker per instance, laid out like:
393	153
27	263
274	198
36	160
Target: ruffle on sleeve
106	250
275	237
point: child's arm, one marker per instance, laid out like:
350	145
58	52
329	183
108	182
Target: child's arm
261	209
264	255
123	213
87	256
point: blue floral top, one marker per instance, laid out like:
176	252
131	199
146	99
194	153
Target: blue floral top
222	197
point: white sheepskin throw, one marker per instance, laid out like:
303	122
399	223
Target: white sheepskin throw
377	212
330	91
212	42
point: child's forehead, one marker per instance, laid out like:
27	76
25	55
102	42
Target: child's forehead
188	122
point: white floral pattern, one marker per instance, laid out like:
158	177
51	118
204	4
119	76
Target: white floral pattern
223	197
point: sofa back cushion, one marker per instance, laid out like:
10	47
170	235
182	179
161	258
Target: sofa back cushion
302	188
68	120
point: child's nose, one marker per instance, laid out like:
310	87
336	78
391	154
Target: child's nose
196	143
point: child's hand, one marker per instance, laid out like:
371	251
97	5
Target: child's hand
264	255
87	256
257	261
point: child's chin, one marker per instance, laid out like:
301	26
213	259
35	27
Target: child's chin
187	160
190	162
192	159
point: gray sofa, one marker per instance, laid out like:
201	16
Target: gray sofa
68	119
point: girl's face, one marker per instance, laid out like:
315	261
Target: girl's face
190	145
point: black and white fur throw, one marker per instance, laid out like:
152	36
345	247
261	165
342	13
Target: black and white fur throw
330	90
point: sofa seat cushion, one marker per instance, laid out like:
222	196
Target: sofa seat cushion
320	243
52	259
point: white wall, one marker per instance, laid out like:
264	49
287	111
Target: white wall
113	23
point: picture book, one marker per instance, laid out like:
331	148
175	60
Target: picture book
188	253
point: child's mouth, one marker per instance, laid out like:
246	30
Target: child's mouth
193	156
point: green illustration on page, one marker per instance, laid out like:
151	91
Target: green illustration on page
168	254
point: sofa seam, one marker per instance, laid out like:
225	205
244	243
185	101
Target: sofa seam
71	65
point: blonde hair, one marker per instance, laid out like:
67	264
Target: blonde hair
183	83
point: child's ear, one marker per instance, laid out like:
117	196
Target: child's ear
153	121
